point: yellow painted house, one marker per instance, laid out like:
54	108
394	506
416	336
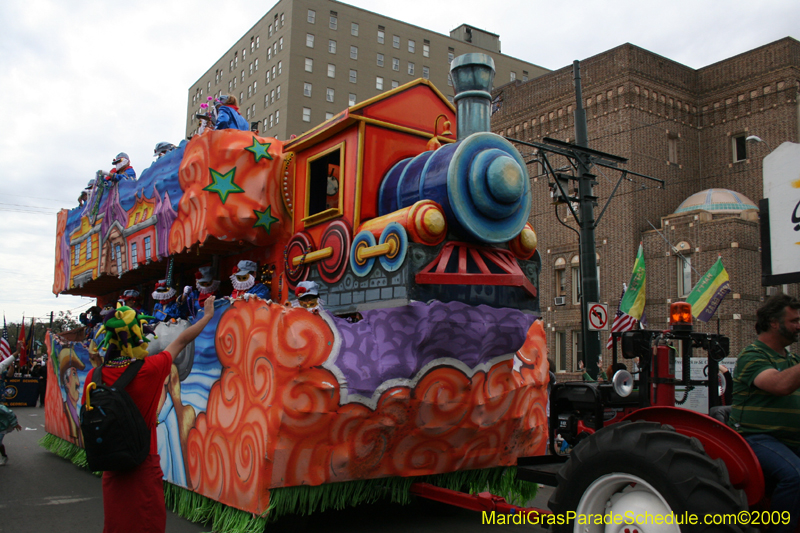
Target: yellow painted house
84	246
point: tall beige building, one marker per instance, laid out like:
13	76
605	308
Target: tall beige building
307	60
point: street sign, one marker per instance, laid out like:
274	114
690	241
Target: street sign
598	317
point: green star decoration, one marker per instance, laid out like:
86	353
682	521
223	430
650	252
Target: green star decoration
260	150
265	218
223	184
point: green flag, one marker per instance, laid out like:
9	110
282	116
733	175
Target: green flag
709	292
633	302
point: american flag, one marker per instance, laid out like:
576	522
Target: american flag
5	348
622	322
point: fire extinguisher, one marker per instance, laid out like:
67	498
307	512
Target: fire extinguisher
664	367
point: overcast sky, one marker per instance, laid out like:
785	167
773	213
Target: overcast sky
83	80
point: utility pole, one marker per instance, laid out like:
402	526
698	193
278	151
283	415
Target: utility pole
590	285
582	159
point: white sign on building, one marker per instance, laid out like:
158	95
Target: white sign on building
780	231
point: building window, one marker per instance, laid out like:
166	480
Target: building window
395	64
334	23
354	29
332	46
353	52
395	41
380	60
272	96
739	147
241	96
309	65
577	349
412	46
283	19
270	31
353	76
351	100
255	87
307	89
560	281
268	77
576	279
88	249
271	120
280	44
331	70
269	52
329	95
310	40
561	351
449	80
395	84
312	16
230	68
672	148
147	248
249	91
278	92
513	75
450	55
236	60
243	76
280	67
277	116
266	100
134	257
379	83
381	35
258	41
426	49
119	259
410	69
251	69
524	75
426	73
244	54
684	265
256	64
306	114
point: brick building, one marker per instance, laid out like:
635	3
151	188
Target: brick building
685	126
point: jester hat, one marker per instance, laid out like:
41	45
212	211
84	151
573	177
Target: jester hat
125	332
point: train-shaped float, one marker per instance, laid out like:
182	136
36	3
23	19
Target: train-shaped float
425	356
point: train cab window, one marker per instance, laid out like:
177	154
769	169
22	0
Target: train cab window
323	185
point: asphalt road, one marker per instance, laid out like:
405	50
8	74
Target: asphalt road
40	491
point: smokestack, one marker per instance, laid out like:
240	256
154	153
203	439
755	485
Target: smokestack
472	76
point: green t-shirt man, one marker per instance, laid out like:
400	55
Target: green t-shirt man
757	411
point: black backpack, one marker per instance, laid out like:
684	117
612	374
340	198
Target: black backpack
115	435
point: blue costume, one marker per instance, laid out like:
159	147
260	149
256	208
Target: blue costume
127	174
229	118
169	310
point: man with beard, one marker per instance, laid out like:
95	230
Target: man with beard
244	281
766	402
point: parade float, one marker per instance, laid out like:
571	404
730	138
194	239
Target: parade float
424	358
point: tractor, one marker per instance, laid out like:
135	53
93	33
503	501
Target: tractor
623	449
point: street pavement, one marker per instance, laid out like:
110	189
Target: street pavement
40	491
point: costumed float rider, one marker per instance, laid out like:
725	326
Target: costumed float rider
307	293
244	281
166	306
122	169
162	149
228	116
131	298
205	285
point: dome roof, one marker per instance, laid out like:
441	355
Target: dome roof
720	201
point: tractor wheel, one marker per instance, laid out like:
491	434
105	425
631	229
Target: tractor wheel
644	467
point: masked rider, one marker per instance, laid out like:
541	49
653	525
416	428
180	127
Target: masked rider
244	281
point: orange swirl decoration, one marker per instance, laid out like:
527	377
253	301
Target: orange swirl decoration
60	277
274	420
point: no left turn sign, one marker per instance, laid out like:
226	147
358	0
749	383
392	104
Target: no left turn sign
598	317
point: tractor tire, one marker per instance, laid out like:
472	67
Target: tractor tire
644	467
